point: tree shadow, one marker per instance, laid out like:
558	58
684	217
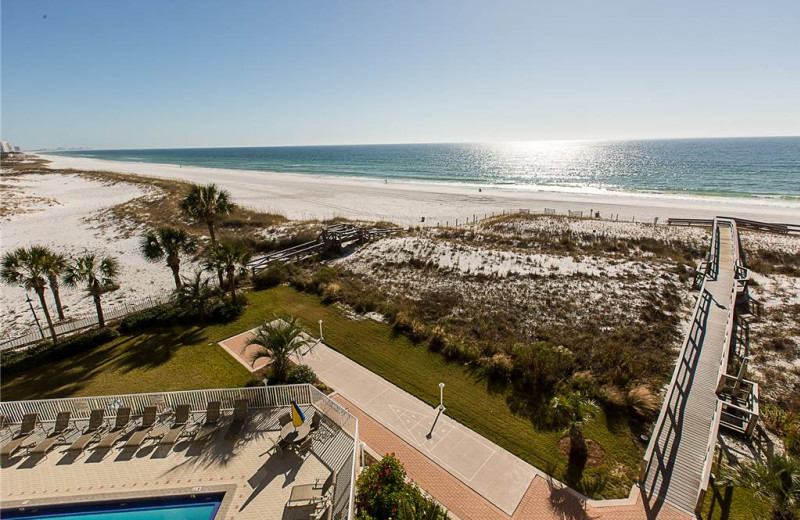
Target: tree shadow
721	500
157	348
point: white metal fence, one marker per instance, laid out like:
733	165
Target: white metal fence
118	311
257	397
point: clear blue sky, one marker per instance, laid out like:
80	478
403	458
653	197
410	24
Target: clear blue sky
136	73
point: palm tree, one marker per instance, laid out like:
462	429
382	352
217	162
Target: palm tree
575	410
207	204
230	258
168	242
99	276
195	294
28	267
278	340
776	480
55	265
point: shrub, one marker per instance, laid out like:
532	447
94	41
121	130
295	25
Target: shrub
498	365
223	310
46	352
382	493
156	316
540	366
272	276
219	310
641	401
301	374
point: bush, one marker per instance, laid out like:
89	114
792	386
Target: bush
382	493
540	366
156	316
219	310
642	402
46	352
272	276
223	310
301	374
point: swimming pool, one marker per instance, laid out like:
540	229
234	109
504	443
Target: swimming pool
194	507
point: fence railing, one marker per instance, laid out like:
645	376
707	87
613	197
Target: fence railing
66	328
713	273
257	397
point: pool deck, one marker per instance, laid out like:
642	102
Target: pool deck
257	482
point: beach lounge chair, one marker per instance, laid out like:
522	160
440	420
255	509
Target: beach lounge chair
5	423
60	429
210	422
91	432
307	494
240	410
284	419
29	421
239	418
119	428
171	434
149	417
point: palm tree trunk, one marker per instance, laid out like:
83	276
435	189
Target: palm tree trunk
100	319
177	276
40	293
232	284
56	297
211	232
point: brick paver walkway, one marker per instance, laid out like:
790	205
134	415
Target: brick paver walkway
541	501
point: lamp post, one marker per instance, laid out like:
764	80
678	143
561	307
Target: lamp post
35	317
441	396
320	330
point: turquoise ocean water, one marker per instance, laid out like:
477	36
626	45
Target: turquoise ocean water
766	167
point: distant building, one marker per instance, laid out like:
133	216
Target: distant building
7	149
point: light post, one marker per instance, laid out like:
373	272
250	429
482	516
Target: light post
320	331
441	396
35	317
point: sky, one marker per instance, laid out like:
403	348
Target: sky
159	74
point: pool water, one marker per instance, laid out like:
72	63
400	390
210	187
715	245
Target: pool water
196	507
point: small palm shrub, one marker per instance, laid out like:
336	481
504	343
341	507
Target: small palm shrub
775	480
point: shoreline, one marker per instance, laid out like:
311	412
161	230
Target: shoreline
317	196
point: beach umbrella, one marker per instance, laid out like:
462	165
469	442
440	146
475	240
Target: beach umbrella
298	417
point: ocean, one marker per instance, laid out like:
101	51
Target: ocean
766	167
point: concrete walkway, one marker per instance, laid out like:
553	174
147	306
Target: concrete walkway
543	500
497	475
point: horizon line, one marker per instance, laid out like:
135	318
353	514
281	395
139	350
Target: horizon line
406	143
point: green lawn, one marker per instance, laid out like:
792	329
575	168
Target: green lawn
185	358
733	504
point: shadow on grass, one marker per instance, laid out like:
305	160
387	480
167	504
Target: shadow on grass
146	350
157	348
721	501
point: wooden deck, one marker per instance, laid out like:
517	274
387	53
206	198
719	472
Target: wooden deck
675	469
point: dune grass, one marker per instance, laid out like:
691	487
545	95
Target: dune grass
180	358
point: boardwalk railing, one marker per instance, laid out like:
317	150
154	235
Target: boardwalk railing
257	397
724	412
66	328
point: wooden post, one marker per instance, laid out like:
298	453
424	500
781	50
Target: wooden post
740	375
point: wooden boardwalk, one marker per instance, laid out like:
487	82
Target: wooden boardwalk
676	466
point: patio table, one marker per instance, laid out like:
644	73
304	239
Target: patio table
292	436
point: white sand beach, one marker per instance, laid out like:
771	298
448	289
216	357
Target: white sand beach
66	214
300	196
